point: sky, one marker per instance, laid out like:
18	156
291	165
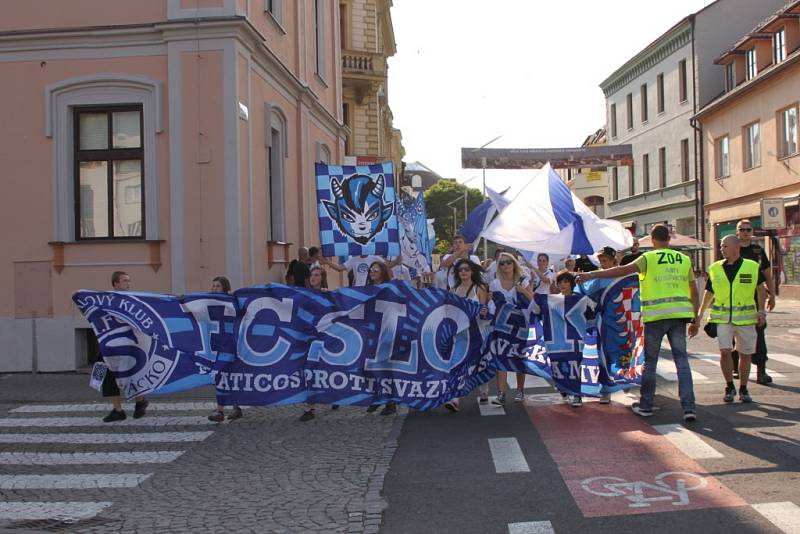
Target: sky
528	70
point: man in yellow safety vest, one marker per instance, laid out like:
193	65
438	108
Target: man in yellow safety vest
736	288
669	301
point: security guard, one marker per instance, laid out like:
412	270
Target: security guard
669	301
736	288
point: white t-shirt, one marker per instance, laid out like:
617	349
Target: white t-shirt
510	294
451	272
541	287
360	267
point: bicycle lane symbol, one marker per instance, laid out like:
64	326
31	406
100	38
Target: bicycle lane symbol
671	486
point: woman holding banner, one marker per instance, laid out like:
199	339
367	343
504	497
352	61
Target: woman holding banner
469	284
316	280
510	279
220	284
379	273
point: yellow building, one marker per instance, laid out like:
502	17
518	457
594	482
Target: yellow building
591	184
367	39
750	140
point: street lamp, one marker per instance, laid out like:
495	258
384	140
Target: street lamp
483	166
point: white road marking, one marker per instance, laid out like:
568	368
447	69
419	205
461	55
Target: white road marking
103	407
784	515
507	456
624	398
88	458
491	409
794	361
530	382
62	422
688	442
544	398
68	512
93	439
666	369
531	527
714	360
48	482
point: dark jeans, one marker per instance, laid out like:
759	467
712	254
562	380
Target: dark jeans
675	330
760	357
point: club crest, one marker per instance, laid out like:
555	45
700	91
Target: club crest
358	207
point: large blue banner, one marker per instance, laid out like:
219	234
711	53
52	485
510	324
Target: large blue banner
281	345
356	208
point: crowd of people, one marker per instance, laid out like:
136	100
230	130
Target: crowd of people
674	295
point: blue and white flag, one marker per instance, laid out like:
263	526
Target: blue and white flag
281	345
414	242
480	217
356	209
547	217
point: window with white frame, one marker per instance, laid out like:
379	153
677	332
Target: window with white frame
752	145
730	77
751	62
276	155
722	158
779	45
319	35
787	134
613	117
109	159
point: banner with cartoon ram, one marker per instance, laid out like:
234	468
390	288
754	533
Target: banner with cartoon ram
356	209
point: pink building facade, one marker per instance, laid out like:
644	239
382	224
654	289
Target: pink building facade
171	139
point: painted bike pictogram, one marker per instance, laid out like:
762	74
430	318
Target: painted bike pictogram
672	486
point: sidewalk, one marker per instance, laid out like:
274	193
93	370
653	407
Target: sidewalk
786	314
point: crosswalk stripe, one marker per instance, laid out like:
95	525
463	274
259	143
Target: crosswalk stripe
80	481
101	407
507	456
79	438
68	512
97	421
491	409
688	442
788	359
784	515
713	359
667	370
531	527
88	458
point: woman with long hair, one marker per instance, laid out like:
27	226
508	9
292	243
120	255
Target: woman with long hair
317	280
469	284
510	280
221	284
379	273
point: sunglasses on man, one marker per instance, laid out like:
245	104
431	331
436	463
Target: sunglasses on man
743	229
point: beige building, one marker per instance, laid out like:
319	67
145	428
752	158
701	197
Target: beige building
590	185
750	140
367	38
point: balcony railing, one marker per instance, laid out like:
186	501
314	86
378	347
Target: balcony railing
353	61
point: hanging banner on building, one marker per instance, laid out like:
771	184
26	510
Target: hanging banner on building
282	345
356	209
414	241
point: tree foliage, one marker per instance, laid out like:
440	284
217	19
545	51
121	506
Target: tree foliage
437	198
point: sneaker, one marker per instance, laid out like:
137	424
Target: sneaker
308	415
577	401
235	414
763	378
730	392
115	416
389	409
605	398
744	396
519	396
484	398
736	374
139	408
500	399
217	416
372	407
452	406
640	411
689	416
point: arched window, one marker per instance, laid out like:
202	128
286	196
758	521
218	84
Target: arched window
277	151
596	204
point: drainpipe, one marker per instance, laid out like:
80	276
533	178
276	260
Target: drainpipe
699	168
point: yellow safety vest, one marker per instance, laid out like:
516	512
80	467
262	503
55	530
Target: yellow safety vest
734	301
665	292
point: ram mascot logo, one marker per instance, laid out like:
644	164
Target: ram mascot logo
358	207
